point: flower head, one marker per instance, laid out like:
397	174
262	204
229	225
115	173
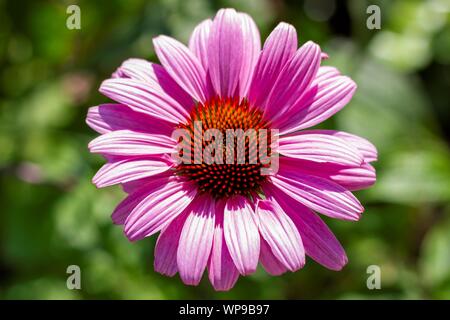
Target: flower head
209	197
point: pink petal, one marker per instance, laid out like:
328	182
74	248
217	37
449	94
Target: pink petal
281	234
129	143
138	69
365	147
355	178
196	240
126	170
251	50
125	207
319	242
183	66
222	271
241	234
225	52
157	76
319	194
317	147
294	79
110	117
351	178
269	262
132	186
163	203
135	196
143	97
327	98
166	247
198	43
172	88
324	73
278	49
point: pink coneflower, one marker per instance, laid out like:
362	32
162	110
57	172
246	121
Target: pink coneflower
228	217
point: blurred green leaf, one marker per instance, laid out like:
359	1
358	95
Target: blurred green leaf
415	176
435	255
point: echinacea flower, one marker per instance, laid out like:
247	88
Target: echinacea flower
227	218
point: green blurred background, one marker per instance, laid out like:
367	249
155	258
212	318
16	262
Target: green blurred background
52	216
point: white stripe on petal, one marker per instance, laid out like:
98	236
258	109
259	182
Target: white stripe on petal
222	272
314	146
182	65
129	143
251	51
269	262
281	234
163	204
198	43
225	52
320	194
241	234
278	49
196	240
143	97
129	170
166	247
293	80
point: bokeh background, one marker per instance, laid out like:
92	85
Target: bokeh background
51	216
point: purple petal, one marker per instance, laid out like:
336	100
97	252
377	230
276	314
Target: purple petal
225	52
129	143
135	196
166	247
198	43
365	147
131	186
355	178
183	66
323	101
126	170
317	147
351	178
241	234
293	80
278	49
163	203
251	50
157	76
171	87
145	98
281	234
138	69
324	73
222	271
110	117
196	240
319	242
269	262
319	194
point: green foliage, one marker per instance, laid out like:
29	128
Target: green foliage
51	216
